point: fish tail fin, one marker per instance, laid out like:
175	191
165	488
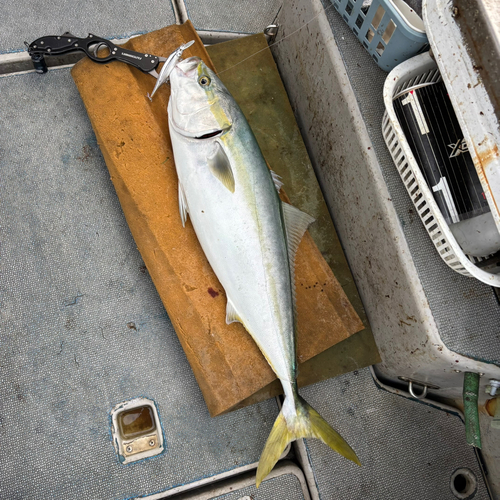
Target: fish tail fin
276	443
306	423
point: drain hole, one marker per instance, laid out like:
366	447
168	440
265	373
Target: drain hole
463	484
460	482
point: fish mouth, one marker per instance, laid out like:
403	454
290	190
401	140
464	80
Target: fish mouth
202	134
209	135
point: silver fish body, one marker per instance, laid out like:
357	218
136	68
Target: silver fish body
241	232
248	236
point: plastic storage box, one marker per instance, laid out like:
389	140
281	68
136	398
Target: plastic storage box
390	30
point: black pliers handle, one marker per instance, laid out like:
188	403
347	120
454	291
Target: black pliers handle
55	45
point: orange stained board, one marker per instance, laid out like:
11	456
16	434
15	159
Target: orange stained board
133	136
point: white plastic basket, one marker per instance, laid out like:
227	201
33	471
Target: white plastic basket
420	70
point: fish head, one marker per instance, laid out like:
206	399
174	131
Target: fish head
200	103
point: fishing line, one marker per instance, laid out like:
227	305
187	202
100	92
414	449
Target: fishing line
279	41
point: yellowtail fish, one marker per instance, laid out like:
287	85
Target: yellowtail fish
248	235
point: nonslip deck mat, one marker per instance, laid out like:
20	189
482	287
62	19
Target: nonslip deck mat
27	20
133	136
82	327
466	311
407	449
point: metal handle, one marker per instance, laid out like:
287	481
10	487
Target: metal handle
54	45
412	392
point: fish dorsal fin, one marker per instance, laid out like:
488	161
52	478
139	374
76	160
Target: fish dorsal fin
220	166
183	207
277	180
232	315
296	224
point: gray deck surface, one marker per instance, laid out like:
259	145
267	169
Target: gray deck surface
408	450
71	281
221	15
28	20
466	311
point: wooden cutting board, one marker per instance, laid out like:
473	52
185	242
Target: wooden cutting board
133	136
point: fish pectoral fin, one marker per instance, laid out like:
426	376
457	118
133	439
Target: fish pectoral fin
277	180
232	315
220	166
183	207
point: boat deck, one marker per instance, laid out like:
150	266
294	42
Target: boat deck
82	327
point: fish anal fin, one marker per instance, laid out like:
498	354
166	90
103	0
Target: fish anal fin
220	166
232	315
183	207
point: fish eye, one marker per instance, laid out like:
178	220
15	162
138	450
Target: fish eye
204	80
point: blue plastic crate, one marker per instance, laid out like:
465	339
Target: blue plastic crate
389	30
